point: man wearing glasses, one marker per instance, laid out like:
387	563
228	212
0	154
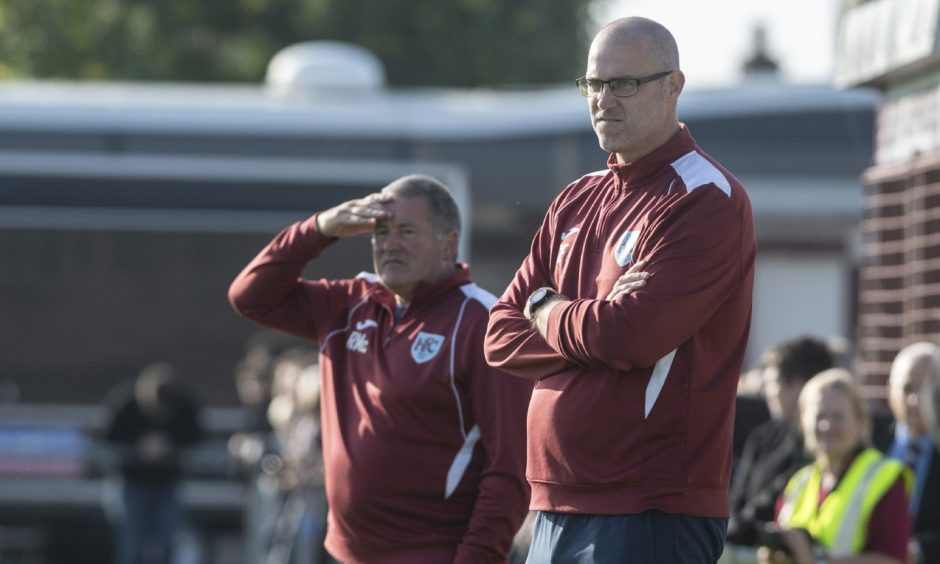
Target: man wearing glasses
631	313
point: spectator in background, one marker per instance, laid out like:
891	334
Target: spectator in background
774	450
253	386
911	443
256	447
152	422
750	411
850	505
254	374
298	527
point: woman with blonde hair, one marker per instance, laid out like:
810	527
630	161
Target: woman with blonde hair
850	505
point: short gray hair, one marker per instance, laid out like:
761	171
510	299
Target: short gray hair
435	193
907	359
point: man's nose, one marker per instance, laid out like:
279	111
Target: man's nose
605	98
389	241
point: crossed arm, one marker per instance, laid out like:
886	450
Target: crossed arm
692	265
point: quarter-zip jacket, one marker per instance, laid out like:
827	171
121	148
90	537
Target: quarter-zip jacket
634	399
423	442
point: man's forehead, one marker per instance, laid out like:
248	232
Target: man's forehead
631	52
619	65
397	221
407	211
621	45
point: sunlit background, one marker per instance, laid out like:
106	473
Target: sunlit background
714	37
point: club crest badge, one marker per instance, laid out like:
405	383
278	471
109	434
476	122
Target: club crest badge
426	346
624	252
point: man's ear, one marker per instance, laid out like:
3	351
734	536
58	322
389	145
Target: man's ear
675	82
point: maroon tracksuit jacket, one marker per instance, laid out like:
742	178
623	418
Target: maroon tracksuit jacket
423	442
634	401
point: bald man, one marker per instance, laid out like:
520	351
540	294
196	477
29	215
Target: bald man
912	443
631	314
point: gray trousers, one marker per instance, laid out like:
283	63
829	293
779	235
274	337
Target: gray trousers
651	537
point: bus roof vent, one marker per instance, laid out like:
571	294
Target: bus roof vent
325	67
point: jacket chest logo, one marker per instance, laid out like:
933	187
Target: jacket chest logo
624	251
357	342
426	346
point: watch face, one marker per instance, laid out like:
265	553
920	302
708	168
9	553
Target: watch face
538	296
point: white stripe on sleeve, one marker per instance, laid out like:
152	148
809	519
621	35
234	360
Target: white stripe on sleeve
459	466
657	380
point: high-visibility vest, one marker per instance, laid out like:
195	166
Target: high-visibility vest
840	523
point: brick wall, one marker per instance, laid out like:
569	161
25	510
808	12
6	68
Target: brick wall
899	286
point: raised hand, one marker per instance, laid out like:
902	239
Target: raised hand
354	217
630	280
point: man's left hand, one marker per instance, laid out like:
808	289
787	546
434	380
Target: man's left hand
630	280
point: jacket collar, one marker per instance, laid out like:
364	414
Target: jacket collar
650	165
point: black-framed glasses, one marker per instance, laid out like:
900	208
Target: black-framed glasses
623	87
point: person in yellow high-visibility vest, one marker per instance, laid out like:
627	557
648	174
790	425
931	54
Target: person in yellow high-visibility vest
851	504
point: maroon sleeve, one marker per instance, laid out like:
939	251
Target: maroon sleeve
696	254
512	344
889	528
499	408
271	292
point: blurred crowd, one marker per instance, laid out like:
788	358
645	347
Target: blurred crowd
823	475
